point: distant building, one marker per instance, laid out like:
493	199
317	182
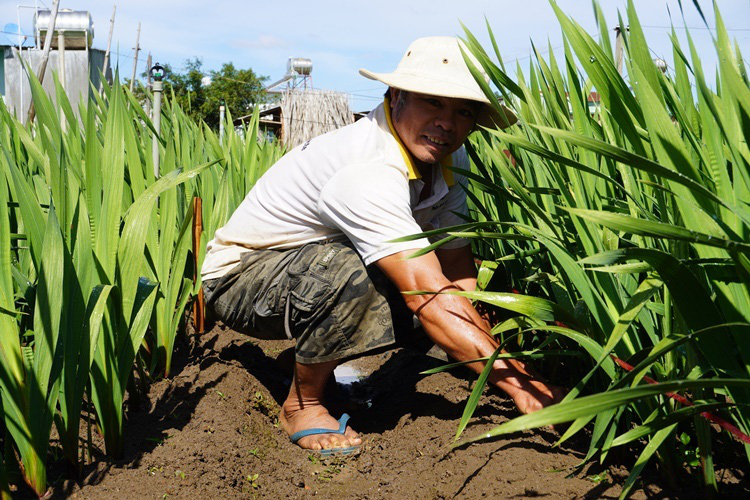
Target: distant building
302	112
301	115
83	64
8	40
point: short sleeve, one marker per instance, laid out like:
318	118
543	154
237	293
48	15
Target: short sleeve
370	205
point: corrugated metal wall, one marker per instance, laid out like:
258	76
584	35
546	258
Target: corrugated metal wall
80	67
4	53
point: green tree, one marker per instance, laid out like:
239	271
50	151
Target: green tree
237	89
188	88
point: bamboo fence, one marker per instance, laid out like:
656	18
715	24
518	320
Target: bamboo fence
308	113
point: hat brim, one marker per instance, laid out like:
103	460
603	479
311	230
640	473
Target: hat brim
488	116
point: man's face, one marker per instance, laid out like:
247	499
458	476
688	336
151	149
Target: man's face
432	127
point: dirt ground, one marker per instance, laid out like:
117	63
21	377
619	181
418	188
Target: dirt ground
211	431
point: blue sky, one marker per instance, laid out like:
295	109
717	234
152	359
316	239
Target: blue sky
342	36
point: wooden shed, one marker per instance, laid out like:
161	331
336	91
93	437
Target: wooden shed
303	114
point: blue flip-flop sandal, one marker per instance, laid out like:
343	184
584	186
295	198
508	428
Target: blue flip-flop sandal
294	438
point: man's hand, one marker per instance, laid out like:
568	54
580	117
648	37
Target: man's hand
535	394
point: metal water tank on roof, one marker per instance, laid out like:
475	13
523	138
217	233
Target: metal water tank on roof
299	65
76	25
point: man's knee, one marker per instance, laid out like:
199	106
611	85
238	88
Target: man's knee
248	299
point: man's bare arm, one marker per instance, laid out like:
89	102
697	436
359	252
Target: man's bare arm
453	324
458	266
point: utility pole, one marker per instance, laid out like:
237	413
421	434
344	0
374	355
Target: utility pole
109	44
45	54
148	82
135	60
148	71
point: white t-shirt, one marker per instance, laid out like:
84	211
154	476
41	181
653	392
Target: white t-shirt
356	183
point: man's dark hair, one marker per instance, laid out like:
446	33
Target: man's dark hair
398	106
404	93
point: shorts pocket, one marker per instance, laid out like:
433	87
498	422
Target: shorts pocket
310	292
309	303
267	301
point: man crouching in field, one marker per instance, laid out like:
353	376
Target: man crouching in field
309	254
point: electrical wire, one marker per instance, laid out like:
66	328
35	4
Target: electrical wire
505	61
541	53
691	28
303	121
15	33
362	96
363	90
126	56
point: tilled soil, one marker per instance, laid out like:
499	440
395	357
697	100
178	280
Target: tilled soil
211	431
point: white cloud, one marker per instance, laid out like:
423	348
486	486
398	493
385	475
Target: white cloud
261	42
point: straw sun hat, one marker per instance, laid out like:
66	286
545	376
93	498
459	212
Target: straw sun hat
435	66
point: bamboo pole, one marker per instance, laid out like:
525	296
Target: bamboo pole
61	58
618	48
45	54
61	70
135	59
199	304
109	45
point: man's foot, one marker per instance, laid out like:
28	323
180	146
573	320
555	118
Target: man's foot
294	419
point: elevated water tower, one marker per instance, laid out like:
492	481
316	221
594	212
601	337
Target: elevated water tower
77	64
76	27
298	74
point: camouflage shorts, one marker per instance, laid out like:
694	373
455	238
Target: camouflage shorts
322	295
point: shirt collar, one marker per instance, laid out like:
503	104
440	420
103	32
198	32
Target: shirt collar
413	170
